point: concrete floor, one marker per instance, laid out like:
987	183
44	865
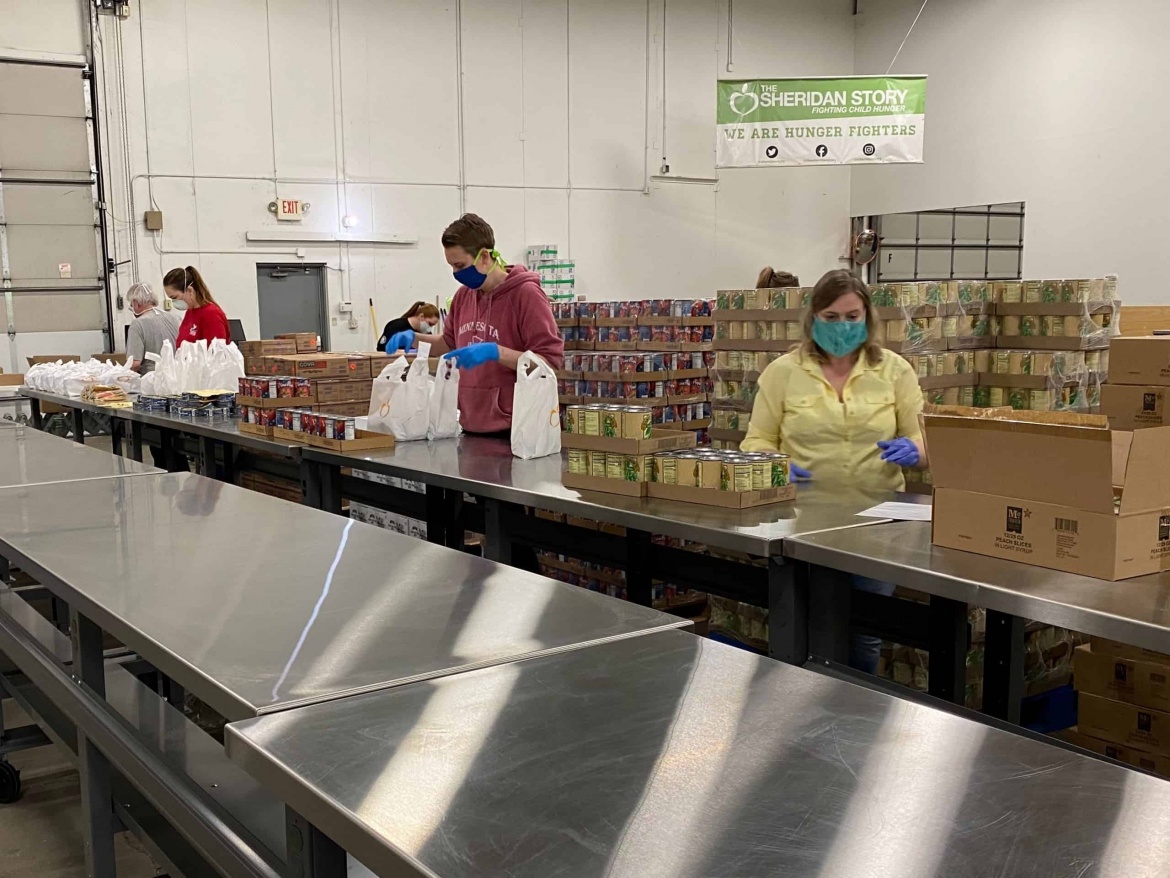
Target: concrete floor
40	834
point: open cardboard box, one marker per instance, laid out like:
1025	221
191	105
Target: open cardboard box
717	497
660	440
1055	490
580	482
364	440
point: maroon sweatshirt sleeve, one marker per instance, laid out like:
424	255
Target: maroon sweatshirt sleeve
538	326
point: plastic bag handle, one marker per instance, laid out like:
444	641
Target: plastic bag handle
528	358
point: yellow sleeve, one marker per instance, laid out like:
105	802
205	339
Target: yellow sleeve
763	432
908	401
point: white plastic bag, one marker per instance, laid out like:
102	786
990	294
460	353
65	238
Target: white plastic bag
382	393
225	366
443	422
536	409
410	405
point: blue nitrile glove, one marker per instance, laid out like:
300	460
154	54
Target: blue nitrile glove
899	452
400	341
474	354
799	473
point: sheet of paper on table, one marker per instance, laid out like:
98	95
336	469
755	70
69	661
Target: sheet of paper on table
899	511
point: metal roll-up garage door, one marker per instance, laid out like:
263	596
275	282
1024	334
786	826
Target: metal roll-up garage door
50	234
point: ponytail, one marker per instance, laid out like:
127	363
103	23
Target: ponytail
413	309
182	278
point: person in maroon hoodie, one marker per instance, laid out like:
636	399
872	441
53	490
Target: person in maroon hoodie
499	312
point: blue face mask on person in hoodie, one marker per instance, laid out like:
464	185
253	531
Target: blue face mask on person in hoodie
471	277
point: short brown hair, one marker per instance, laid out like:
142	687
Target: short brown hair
181	278
470	232
770	278
832	286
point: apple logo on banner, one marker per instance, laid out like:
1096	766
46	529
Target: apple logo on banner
748	99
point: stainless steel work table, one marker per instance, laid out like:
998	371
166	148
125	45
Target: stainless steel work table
208	434
258	605
30	457
669	755
1135	611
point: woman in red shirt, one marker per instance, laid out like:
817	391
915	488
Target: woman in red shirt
204	319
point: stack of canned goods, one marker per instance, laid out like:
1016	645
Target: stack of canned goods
611	465
315	424
204	405
725	470
276	387
251	414
613	421
160	404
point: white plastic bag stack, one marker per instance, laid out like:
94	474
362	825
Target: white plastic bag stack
443	420
71	379
195	366
536	409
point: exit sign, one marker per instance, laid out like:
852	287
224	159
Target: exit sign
289	209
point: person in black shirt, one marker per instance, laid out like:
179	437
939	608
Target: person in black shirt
404	333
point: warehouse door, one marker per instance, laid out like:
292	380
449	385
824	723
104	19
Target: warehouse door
50	234
292	299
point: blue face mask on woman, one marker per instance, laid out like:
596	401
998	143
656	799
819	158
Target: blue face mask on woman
839	338
471	277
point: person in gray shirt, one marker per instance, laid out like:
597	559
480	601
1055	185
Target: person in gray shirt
151	327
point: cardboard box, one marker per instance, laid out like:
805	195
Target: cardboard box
1038	487
11	380
355	409
118	358
365	440
660	440
1134	682
608	486
1159	765
716	497
1126	651
1140	360
1134	406
277	402
1141	727
344	390
52	358
256	429
324	366
304	342
268	347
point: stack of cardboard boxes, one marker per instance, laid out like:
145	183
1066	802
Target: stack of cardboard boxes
1123	704
1138	377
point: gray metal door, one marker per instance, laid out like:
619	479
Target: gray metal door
292	299
50	236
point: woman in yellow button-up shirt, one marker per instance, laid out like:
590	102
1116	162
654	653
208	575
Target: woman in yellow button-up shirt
844	410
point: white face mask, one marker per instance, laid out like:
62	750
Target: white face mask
178	304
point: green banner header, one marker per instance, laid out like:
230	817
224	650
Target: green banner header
785	100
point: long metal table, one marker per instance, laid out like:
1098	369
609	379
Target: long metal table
30	457
669	755
258	605
216	445
1135	611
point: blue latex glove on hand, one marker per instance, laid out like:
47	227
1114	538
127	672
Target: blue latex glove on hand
474	354
798	473
899	452
400	341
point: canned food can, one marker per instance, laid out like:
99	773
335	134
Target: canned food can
304	387
295	420
578	462
572	413
636	422
590	421
610	422
285	388
736	475
614	465
761	474
597	462
780	475
666	469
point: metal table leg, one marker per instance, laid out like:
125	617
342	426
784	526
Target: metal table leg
321	486
439	517
638	586
311	853
38	420
948	649
497	540
830	609
136	441
788	608
1003	666
78	426
96	801
116	436
207	457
